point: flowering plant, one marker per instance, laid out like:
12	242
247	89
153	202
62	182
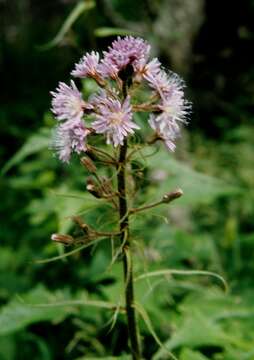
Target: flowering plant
123	71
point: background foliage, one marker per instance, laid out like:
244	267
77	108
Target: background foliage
210	228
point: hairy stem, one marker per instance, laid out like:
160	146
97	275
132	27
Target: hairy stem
127	258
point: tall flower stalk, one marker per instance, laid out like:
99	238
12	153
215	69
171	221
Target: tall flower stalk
127	254
123	71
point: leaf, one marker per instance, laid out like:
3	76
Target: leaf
197	187
199	330
80	7
149	325
217	306
64	204
108	31
123	357
33	145
41	344
18	314
92	303
8	348
42	305
183	272
188	354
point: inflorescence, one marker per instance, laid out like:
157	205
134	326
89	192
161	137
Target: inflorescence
122	69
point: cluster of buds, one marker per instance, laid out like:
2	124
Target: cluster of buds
123	68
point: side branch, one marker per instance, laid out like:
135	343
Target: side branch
167	198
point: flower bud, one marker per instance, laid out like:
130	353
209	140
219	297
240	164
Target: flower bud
92	187
63	239
79	222
88	164
167	198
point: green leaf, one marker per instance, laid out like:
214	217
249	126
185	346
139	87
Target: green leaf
197	187
108	31
42	305
123	357
184	273
188	354
80	7
198	330
149	325
33	145
18	314
8	348
64	204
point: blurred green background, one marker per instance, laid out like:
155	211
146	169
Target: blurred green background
209	43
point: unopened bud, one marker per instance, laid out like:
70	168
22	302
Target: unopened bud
88	164
92	187
78	221
167	198
91	153
61	238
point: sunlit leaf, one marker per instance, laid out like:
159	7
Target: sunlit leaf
188	354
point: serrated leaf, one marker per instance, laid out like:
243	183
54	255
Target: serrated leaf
19	313
64	204
42	305
197	187
199	330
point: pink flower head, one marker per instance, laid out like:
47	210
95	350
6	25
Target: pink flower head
147	69
114	120
173	108
69	139
163	83
126	62
168	132
67	103
124	51
87	66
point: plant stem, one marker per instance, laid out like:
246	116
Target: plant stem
127	259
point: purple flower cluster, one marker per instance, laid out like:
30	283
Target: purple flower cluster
123	52
68	108
111	109
114	119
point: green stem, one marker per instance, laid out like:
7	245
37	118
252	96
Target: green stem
127	258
